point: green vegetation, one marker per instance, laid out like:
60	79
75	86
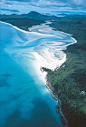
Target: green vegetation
21	22
24	21
69	81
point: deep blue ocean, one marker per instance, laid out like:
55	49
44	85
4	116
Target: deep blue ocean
24	98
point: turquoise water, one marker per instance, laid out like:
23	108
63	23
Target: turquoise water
21	102
24	99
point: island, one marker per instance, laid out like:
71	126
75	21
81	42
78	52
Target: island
67	84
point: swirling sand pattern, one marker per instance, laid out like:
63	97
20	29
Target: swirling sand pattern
22	54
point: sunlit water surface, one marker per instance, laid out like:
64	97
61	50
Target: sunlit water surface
24	99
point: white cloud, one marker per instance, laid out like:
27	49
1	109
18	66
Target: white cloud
47	3
72	3
43	6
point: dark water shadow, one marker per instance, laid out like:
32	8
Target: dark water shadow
4	80
41	117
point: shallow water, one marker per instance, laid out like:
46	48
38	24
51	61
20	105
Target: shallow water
24	99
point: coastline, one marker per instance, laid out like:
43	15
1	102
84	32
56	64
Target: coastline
75	54
75	109
44	74
55	97
71	75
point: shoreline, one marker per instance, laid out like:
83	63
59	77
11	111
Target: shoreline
55	97
46	81
72	76
75	26
44	74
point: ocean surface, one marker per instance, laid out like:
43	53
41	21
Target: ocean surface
24	98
